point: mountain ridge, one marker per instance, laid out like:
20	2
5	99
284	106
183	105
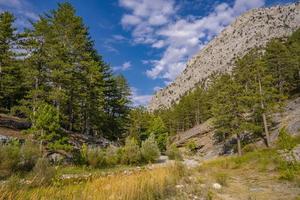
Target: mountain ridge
252	29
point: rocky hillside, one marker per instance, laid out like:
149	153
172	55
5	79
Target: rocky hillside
254	28
203	134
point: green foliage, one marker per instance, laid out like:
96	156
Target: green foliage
192	109
222	178
131	153
173	152
285	140
96	157
158	128
150	150
10	74
46	127
9	159
60	66
29	154
191	145
111	156
16	158
43	173
139	123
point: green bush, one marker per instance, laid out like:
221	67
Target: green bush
29	155
285	140
131	153
13	183
173	152
150	150
112	157
96	157
18	158
191	146
9	159
43	173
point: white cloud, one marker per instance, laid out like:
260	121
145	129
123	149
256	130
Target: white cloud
155	89
11	3
139	100
22	11
130	20
125	66
180	37
119	37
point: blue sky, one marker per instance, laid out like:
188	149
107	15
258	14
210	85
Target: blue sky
148	41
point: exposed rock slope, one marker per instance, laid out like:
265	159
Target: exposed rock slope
254	28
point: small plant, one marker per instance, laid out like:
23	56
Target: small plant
150	150
131	153
111	156
191	146
222	178
13	183
9	159
43	173
96	157
285	140
173	152
29	155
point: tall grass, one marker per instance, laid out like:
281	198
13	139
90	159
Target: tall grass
148	184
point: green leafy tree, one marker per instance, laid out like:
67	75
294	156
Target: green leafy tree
158	128
150	150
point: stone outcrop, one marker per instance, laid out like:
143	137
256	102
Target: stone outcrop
253	29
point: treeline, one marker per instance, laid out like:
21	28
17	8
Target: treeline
244	100
52	75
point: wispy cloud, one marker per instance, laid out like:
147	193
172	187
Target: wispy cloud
124	67
21	9
157	24
138	99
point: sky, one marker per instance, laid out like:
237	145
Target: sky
147	41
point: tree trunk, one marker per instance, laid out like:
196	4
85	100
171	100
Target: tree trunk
239	148
264	115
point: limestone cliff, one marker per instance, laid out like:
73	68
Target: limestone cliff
253	29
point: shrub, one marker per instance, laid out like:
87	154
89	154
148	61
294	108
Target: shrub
249	148
221	178
285	140
9	159
112	157
191	145
13	183
96	157
150	150
173	152
43	172
131	152
29	154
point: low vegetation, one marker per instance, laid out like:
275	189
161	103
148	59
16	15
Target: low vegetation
145	184
258	174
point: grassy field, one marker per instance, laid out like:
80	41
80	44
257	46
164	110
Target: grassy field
139	184
258	175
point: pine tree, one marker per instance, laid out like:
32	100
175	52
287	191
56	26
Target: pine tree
10	75
280	64
229	109
262	96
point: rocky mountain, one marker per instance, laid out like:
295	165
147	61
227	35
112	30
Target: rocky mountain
253	29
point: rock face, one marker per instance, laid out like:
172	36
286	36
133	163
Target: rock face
253	29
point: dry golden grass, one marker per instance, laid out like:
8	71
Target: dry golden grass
147	184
